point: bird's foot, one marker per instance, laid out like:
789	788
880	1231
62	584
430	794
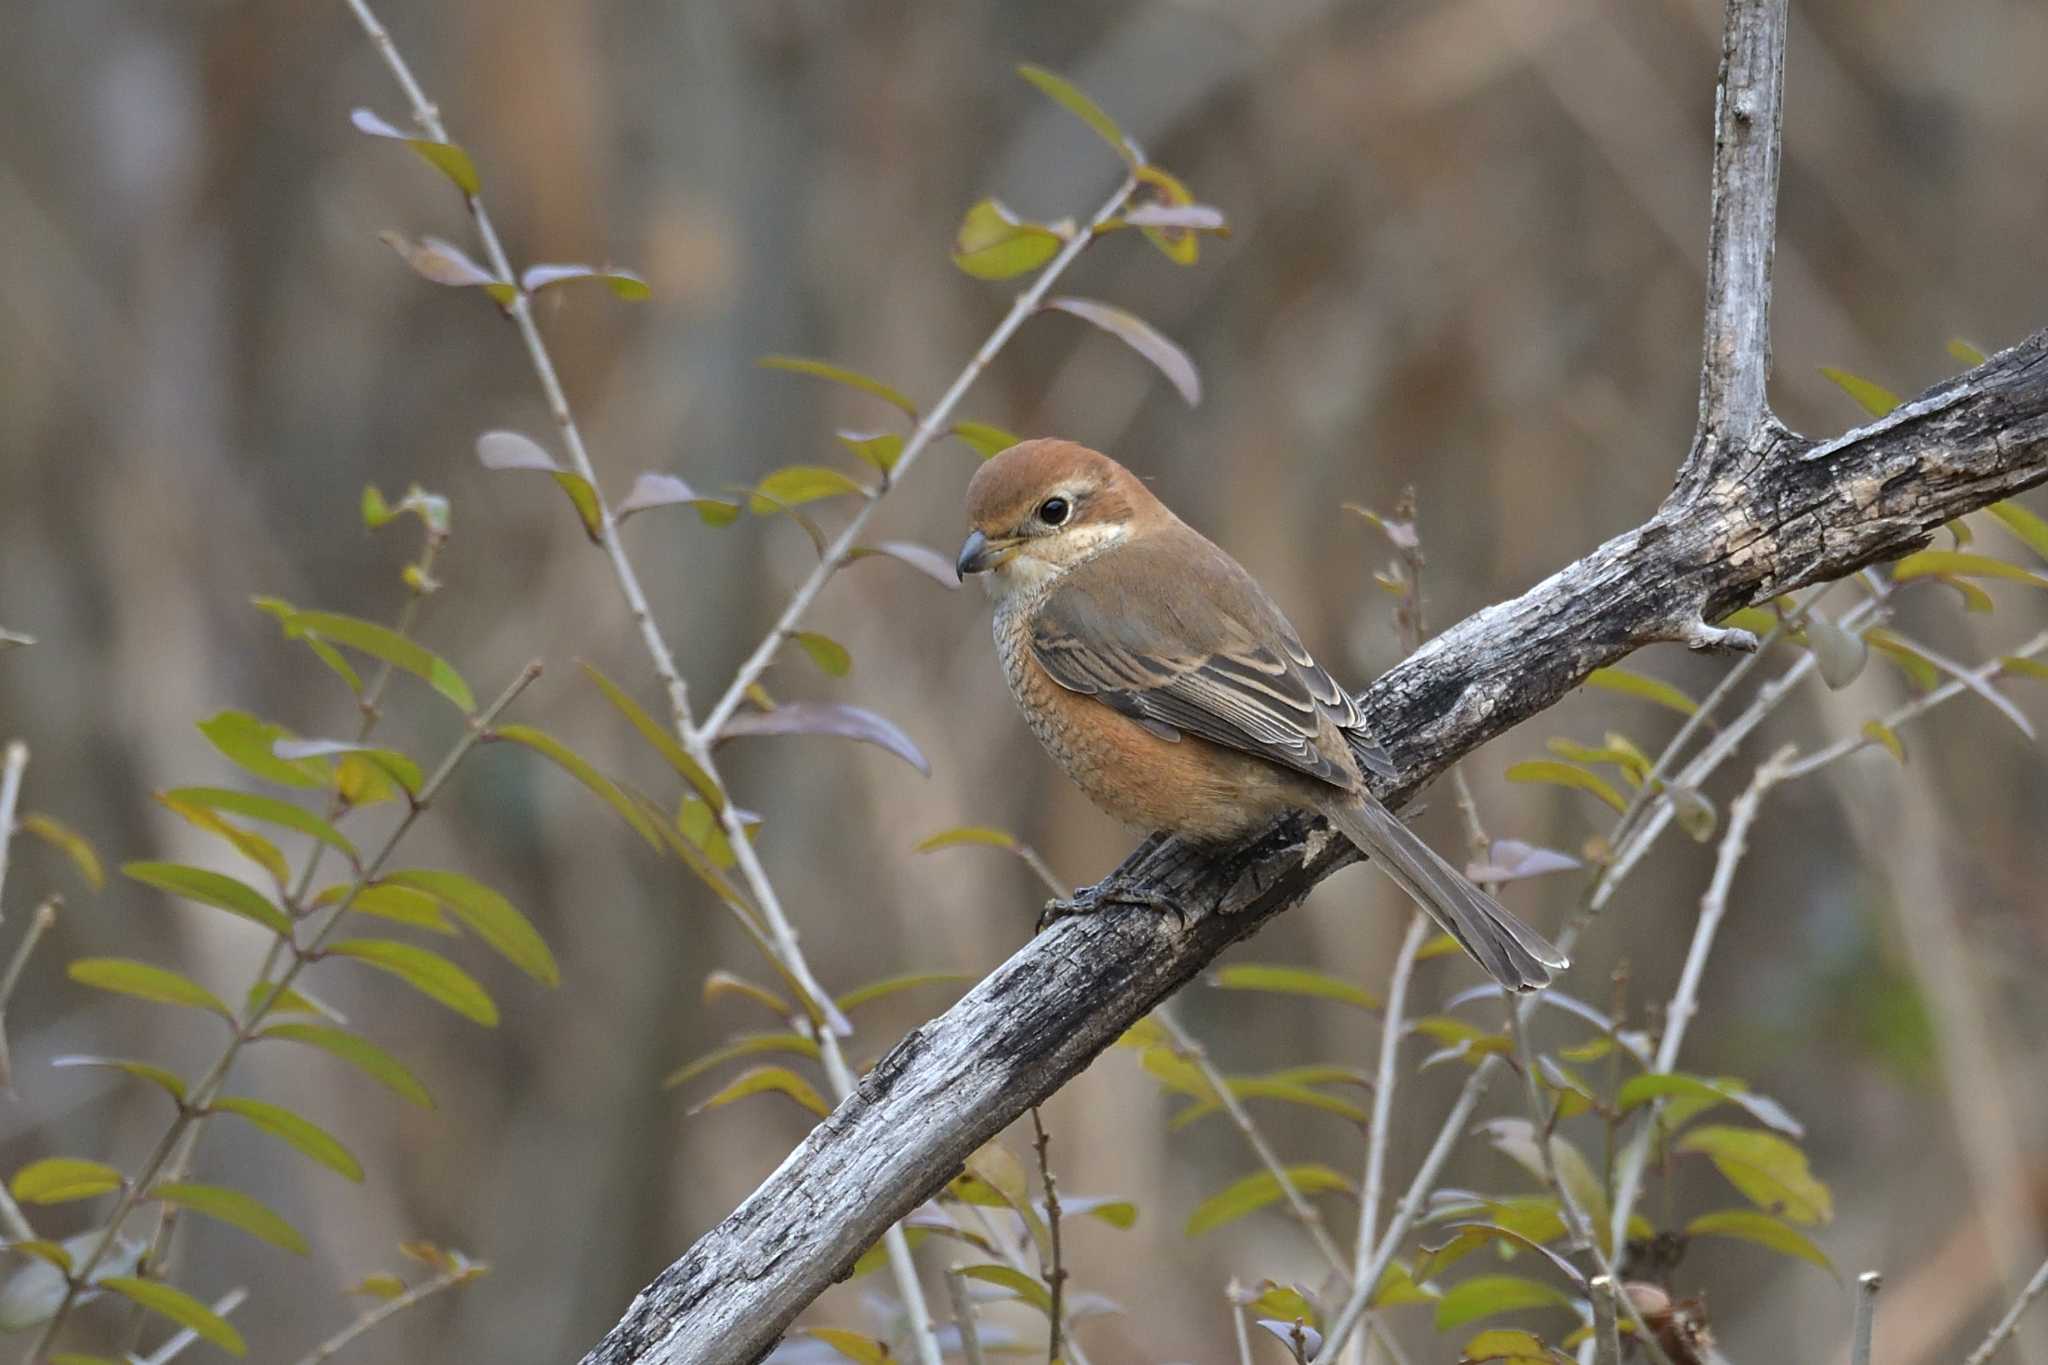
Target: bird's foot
1090	900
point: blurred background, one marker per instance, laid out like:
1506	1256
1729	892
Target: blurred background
1467	249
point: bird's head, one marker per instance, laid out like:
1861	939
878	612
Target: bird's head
1042	507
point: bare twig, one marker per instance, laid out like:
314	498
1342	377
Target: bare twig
2004	1330
1391	1024
1606	1329
1244	1343
963	1317
1055	1275
38	925
11	768
1867	1285
459	1273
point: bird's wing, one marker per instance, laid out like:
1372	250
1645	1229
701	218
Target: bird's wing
1171	631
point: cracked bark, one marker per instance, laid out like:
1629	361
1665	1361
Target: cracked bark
1755	511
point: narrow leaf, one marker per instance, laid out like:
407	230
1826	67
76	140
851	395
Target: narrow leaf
267	809
840	374
307	1136
983	439
1256	1191
232	1206
1876	399
211	888
358	763
1484	1295
489	916
750	1045
829	718
1023	1286
579	768
2024	524
425	971
1069	97
1965	563
1566	775
125	976
827	653
163	1077
61	1179
666	490
761	1079
625	283
882	449
71	844
247	742
925	560
399	904
888	986
360	1053
664	743
1261	976
965	834
1637	685
439	261
1510	860
1141	337
173	1303
1749	1226
797	484
383	643
1879	733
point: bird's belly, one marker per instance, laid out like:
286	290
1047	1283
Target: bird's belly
1188	786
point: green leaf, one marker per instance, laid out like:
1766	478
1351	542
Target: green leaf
965	834
664	743
232	1206
749	1045
1876	399
248	843
211	888
876	990
1965	352
267	809
1707	1093
624	283
1565	775
1762	1229
584	499
360	1053
1484	1295
1172	221
722	983
180	1307
652	490
379	642
1025	1287
1755	620
247	742
2020	666
840	374
798	484
1065	94
1505	1346
851	1345
70	843
1771	1172
827	653
315	1141
1637	685
163	1077
489	916
1141	336
125	976
1963	562
399	904
425	971
2024	524
365	773
1877	732
579	768
983	439
1275	1087
1264	976
1256	1191
761	1079
995	244
61	1179
1118	1213
1918	668
289	1001
882	449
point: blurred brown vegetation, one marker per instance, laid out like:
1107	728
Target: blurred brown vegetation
1467	246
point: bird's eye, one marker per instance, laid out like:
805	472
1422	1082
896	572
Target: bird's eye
1053	511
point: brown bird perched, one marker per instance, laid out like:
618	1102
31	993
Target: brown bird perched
1174	693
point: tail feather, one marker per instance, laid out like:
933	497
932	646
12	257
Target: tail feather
1513	954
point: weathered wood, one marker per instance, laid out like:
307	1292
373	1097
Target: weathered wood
1755	523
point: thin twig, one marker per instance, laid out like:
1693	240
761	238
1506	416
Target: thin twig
2011	1320
1055	1275
1606	1328
1244	1343
11	769
963	1317
391	1307
1867	1285
38	925
1009	1254
1383	1094
210	1084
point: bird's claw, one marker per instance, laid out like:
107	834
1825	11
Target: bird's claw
1094	899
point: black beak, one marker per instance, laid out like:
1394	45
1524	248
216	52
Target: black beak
974	554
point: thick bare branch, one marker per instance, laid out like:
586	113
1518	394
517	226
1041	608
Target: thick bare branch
1809	512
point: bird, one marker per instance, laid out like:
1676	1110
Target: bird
1172	690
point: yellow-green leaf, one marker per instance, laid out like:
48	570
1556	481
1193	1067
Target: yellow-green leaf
722	982
995	244
379	1284
60	1179
173	1303
1965	563
1877	732
579	768
851	1345
399	904
2022	666
1875	399
267	809
1507	1346
125	976
1966	352
983	439
1917	667
1069	97
281	1123
827	653
877	990
1484	1295
360	1053
489	916
965	834
70	843
840	374
664	743
1637	685
1566	775
1762	1229
2024	524
1017	1282
750	1045
1264	976
425	971
1178	242
233	1207
1771	1172
799	484
1755	620
380	642
584	499
247	742
248	843
1256	1191
163	1077
762	1079
211	888
882	449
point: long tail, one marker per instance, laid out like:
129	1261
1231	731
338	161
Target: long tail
1513	954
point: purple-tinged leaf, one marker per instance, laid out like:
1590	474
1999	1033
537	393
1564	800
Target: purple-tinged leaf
624	283
1510	860
446	157
438	261
923	558
511	450
829	718
1191	217
1141	337
666	490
